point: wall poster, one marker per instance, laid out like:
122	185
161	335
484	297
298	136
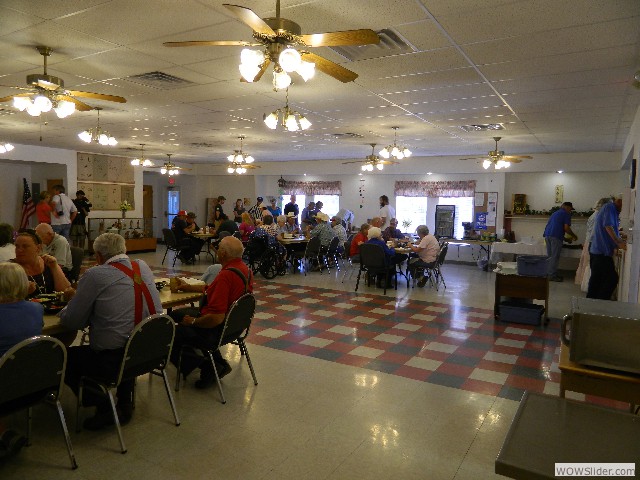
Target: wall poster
106	180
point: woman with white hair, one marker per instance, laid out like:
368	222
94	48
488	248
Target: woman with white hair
19	320
375	237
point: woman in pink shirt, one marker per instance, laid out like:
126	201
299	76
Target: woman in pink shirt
427	250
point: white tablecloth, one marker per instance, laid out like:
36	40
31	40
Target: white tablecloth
516	249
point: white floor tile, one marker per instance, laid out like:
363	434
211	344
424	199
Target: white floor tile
441	347
424	363
489	376
501	357
272	332
316	342
510	343
367	352
385	337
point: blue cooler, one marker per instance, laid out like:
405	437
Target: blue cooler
532	265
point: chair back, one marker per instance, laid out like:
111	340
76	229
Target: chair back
30	370
148	347
332	249
372	257
169	238
443	253
313	247
77	254
238	320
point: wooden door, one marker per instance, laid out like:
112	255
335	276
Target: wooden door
53	182
147	201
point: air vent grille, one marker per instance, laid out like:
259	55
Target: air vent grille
202	145
347	135
391	43
160	80
482	127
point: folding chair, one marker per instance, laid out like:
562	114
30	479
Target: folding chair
331	252
374	261
172	244
312	252
235	330
29	373
147	351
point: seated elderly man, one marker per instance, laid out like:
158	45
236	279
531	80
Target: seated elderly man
201	328
112	298
55	245
392	231
427	251
339	230
323	230
291	226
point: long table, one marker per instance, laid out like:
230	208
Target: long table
517	248
169	300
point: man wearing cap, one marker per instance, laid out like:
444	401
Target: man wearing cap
217	211
256	210
183	225
292	207
292	224
558	225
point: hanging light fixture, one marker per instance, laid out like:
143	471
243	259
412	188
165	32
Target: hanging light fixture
169	168
239	160
142	162
97	134
394	150
286	60
289	119
42	102
5	147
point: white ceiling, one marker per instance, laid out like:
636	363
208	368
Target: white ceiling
556	73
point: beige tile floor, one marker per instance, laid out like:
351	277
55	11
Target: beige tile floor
307	419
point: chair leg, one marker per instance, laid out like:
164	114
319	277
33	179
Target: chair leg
65	431
173	404
215	370
178	374
165	255
29	424
358	279
78	403
243	346
123	448
175	256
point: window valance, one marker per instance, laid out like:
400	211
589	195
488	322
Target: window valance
311	188
461	188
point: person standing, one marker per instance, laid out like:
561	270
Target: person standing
43	209
256	210
558	225
387	212
63	212
218	212
238	210
292	206
307	218
604	243
78	226
274	209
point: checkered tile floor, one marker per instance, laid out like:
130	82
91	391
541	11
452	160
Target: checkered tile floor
451	345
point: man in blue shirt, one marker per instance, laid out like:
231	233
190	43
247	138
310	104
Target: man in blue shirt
558	225
604	242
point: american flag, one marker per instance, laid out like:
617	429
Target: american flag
28	208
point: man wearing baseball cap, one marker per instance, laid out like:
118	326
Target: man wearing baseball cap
256	210
182	230
558	225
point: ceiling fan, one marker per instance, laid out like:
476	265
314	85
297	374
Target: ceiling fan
48	92
372	161
286	46
169	168
498	159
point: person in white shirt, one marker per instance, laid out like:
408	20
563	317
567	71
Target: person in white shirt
387	212
56	246
63	212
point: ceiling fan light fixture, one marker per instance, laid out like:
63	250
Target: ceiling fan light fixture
135	162
281	79
249	159
21	103
486	164
230	170
379	166
163	171
406	152
6	147
304	123
33	110
291	123
251	57
85	136
271	120
43	103
384	153
249	72
289	59
306	70
64	108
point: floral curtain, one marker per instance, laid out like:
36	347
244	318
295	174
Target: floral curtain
462	188
311	188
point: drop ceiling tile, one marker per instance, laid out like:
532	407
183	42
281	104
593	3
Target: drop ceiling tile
424	35
413	63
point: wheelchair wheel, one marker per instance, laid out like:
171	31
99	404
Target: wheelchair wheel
268	266
281	265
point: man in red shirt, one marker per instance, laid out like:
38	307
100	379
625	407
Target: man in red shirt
201	328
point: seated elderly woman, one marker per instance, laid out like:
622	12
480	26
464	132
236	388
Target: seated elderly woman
427	250
19	320
360	238
246	227
375	237
269	226
43	271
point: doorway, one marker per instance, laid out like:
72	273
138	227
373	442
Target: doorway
173	204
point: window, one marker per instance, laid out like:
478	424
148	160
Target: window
173	204
330	203
464	212
413	210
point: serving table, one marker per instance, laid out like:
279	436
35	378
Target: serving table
517	248
602	382
547	430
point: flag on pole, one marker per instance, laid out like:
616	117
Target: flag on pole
28	208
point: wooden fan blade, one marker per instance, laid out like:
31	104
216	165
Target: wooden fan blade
265	65
211	43
354	161
472	158
81	106
97	96
388	162
251	167
345	37
330	68
10	97
510	158
248	17
18	88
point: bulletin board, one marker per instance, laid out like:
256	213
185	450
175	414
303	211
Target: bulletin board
106	180
485	211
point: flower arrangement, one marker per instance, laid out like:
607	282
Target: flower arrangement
125	206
